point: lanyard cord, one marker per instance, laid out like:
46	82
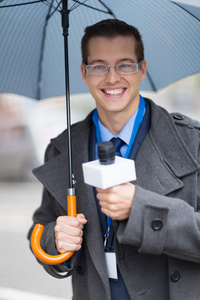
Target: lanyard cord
106	236
137	123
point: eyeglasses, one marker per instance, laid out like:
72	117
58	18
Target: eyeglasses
125	68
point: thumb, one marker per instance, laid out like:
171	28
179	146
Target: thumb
81	219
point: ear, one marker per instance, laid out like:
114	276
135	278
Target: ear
83	73
143	70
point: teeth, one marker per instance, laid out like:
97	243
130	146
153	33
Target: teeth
114	92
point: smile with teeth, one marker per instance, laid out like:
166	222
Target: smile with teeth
114	92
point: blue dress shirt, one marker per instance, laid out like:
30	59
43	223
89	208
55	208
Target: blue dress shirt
117	287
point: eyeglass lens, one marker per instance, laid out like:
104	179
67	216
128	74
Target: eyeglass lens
128	68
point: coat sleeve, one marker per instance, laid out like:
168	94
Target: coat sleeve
46	215
168	224
162	225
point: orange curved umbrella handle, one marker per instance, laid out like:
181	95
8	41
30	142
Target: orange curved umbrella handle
37	233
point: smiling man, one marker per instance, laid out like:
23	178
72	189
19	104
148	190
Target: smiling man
138	240
116	92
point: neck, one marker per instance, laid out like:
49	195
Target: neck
115	121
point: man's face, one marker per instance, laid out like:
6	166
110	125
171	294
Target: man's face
114	93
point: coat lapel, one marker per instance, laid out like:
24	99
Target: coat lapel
163	158
54	177
152	172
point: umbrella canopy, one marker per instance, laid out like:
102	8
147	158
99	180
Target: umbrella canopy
192	8
32	59
31	47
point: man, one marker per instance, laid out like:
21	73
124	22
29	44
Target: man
154	239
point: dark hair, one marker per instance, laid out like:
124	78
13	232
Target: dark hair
111	28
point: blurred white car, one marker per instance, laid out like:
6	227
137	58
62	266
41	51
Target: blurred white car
17	153
25	131
26	127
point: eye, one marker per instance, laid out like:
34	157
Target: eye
98	67
127	68
124	66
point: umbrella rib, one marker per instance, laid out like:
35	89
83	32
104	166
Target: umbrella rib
109	12
56	8
186	11
151	82
76	5
39	82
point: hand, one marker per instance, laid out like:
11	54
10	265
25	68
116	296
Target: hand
69	232
116	202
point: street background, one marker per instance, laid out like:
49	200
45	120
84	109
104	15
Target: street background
21	277
19	271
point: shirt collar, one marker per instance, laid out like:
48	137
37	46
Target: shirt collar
125	134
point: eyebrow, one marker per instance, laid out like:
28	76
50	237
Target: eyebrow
129	59
95	61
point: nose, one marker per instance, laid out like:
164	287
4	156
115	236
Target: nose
112	76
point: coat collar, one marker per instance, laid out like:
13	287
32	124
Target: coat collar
166	136
54	173
163	158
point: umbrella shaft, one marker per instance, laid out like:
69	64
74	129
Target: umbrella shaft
65	18
68	112
65	25
65	4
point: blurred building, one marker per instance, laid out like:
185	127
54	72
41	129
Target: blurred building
26	125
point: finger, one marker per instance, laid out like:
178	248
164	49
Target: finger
68	230
66	220
107	199
71	239
116	215
68	245
105	191
67	241
80	216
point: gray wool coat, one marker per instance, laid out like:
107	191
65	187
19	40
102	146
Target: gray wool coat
158	247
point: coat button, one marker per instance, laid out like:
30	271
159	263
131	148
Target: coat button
80	271
156	224
175	276
178	117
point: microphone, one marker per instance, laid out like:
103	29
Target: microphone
109	170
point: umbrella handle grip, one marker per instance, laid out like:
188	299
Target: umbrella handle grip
37	233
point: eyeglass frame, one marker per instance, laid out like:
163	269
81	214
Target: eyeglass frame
138	64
